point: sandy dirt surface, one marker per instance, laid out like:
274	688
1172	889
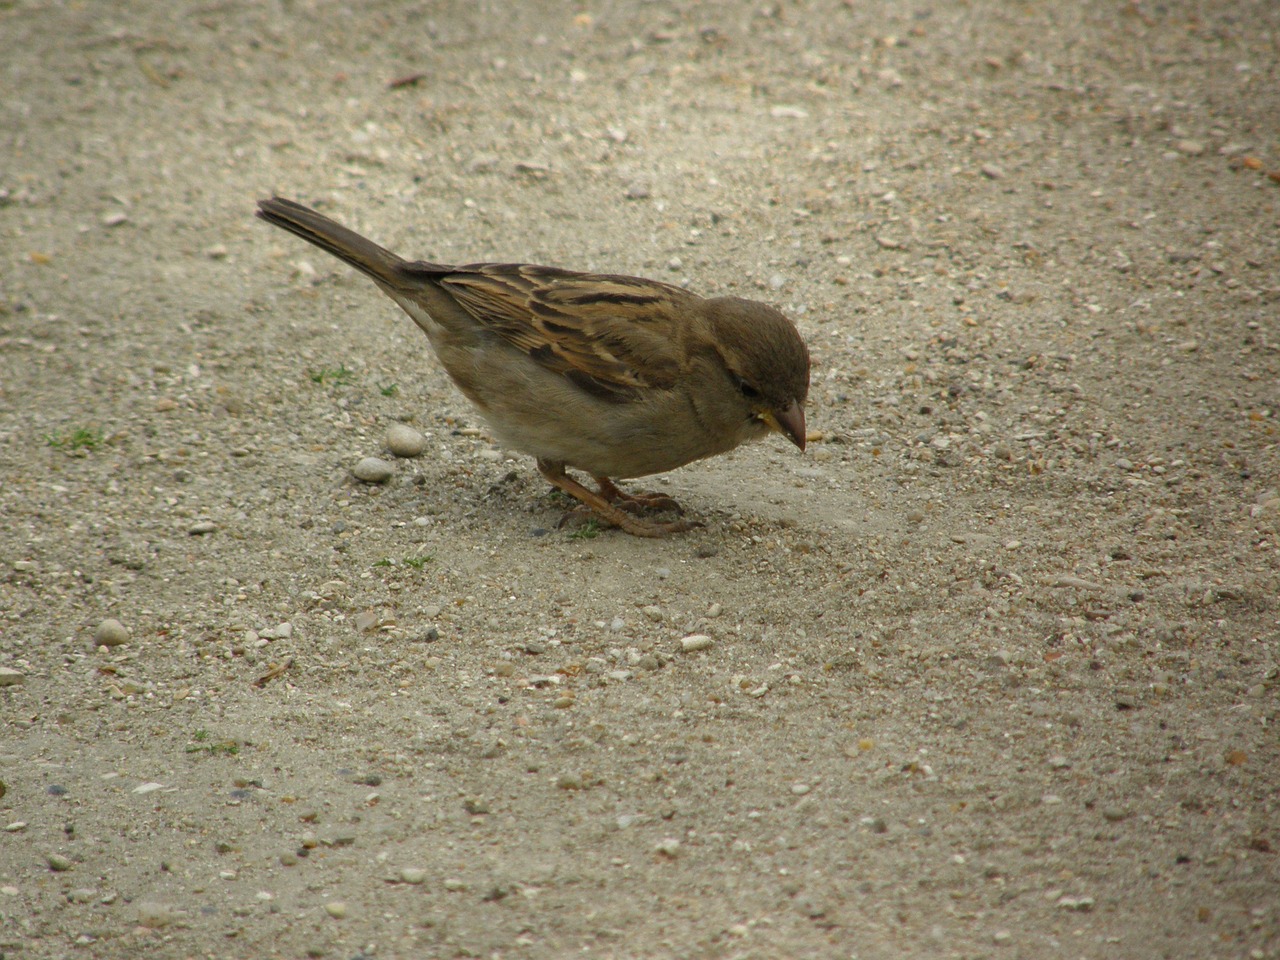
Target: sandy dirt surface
991	670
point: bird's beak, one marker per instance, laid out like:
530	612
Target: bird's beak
789	421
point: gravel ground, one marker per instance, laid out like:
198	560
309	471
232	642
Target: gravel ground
990	671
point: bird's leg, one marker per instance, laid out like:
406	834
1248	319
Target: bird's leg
635	502
606	511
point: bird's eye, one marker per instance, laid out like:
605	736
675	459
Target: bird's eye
748	391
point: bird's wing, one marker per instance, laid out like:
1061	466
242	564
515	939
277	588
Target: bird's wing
613	336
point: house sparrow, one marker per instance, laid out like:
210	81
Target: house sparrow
611	375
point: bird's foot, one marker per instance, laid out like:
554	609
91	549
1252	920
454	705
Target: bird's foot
613	508
641	501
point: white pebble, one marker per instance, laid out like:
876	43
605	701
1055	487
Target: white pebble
404	441
373	470
336	909
695	642
154	915
110	633
668	847
413	875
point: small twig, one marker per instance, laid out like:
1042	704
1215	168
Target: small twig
276	671
408	80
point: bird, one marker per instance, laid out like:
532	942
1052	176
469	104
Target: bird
613	376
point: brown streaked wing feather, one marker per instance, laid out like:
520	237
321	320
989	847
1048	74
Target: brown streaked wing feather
598	331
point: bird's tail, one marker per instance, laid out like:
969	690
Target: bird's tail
347	245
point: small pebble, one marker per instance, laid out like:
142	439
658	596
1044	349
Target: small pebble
404	441
82	895
202	528
414	875
812	907
10	677
58	863
110	633
154	915
1125	699
373	470
696	641
336	909
1191	148
668	847
653	612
